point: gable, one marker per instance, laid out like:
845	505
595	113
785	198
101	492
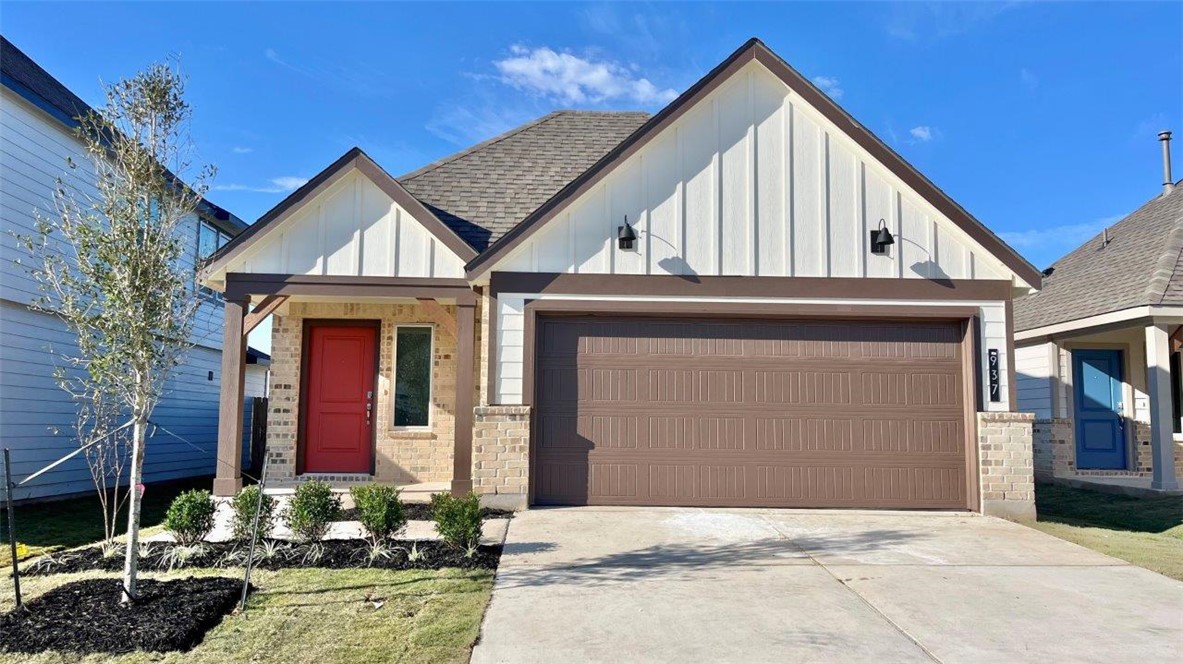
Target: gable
750	177
351	220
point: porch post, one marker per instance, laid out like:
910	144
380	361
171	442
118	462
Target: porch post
465	384
1158	385
228	479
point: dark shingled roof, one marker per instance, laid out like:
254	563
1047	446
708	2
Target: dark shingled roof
22	75
1142	265
485	190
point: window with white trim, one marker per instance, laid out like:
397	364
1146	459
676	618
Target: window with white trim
210	238
412	376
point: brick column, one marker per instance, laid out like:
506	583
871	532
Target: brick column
465	387
1007	467
228	475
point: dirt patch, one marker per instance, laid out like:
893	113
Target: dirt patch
422	512
86	617
275	554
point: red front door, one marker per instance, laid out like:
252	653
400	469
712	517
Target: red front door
338	398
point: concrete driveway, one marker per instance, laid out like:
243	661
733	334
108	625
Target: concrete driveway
691	585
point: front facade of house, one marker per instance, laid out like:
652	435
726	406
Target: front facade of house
37	147
696	308
1098	355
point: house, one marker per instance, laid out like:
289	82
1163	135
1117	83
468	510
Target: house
746	299
37	121
1097	353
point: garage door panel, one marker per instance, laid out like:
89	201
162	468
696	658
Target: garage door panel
809	414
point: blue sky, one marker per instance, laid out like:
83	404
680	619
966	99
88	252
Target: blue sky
1040	118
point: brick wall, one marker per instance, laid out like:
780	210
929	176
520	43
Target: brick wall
404	457
1005	453
1052	448
501	449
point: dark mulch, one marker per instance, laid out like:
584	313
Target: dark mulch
422	512
273	554
86	616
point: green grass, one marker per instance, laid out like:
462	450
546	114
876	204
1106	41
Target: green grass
1147	532
63	524
317	615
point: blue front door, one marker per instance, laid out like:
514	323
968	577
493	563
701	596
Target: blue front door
1100	433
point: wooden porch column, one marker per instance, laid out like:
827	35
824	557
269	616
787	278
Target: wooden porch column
465	384
228	479
1158	386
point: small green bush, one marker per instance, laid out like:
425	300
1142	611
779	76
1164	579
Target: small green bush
313	508
458	520
190	517
245	503
379	510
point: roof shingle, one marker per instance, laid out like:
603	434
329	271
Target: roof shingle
483	191
1141	265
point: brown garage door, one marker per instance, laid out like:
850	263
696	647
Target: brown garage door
750	413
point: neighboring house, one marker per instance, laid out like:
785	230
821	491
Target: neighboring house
258	369
1098	352
37	122
692	308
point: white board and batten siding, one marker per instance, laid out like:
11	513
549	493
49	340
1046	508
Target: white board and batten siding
751	181
351	229
36	416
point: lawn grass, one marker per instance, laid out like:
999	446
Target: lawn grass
318	615
64	524
1147	532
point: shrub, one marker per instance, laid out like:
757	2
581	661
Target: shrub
245	504
313	508
458	520
379	510
190	517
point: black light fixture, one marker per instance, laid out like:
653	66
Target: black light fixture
626	237
881	239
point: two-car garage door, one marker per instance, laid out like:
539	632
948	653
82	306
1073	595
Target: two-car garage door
772	413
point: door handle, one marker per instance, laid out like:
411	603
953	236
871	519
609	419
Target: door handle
369	406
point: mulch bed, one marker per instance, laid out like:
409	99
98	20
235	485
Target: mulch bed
273	554
86	617
422	512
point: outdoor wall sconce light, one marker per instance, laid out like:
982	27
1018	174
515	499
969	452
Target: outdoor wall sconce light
626	237
881	239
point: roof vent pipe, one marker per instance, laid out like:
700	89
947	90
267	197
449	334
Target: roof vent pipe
1168	184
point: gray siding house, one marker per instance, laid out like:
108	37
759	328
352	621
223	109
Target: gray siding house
1097	353
36	138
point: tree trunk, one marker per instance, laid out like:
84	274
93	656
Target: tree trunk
135	482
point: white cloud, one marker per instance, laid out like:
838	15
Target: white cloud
571	79
239	149
915	20
923	133
279	185
1029	79
1044	245
829	85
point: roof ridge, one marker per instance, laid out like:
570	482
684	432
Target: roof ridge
1168	262
484	144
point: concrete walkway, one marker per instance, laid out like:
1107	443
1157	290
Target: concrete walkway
693	585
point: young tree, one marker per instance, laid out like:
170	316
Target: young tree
109	265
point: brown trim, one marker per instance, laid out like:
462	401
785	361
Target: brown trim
262	311
755	50
465	386
968	316
231	390
308	324
811	287
354	158
243	285
1012	373
971	368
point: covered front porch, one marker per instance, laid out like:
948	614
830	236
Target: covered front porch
1113	420
372	379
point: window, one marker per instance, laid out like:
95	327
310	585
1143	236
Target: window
209	240
412	376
